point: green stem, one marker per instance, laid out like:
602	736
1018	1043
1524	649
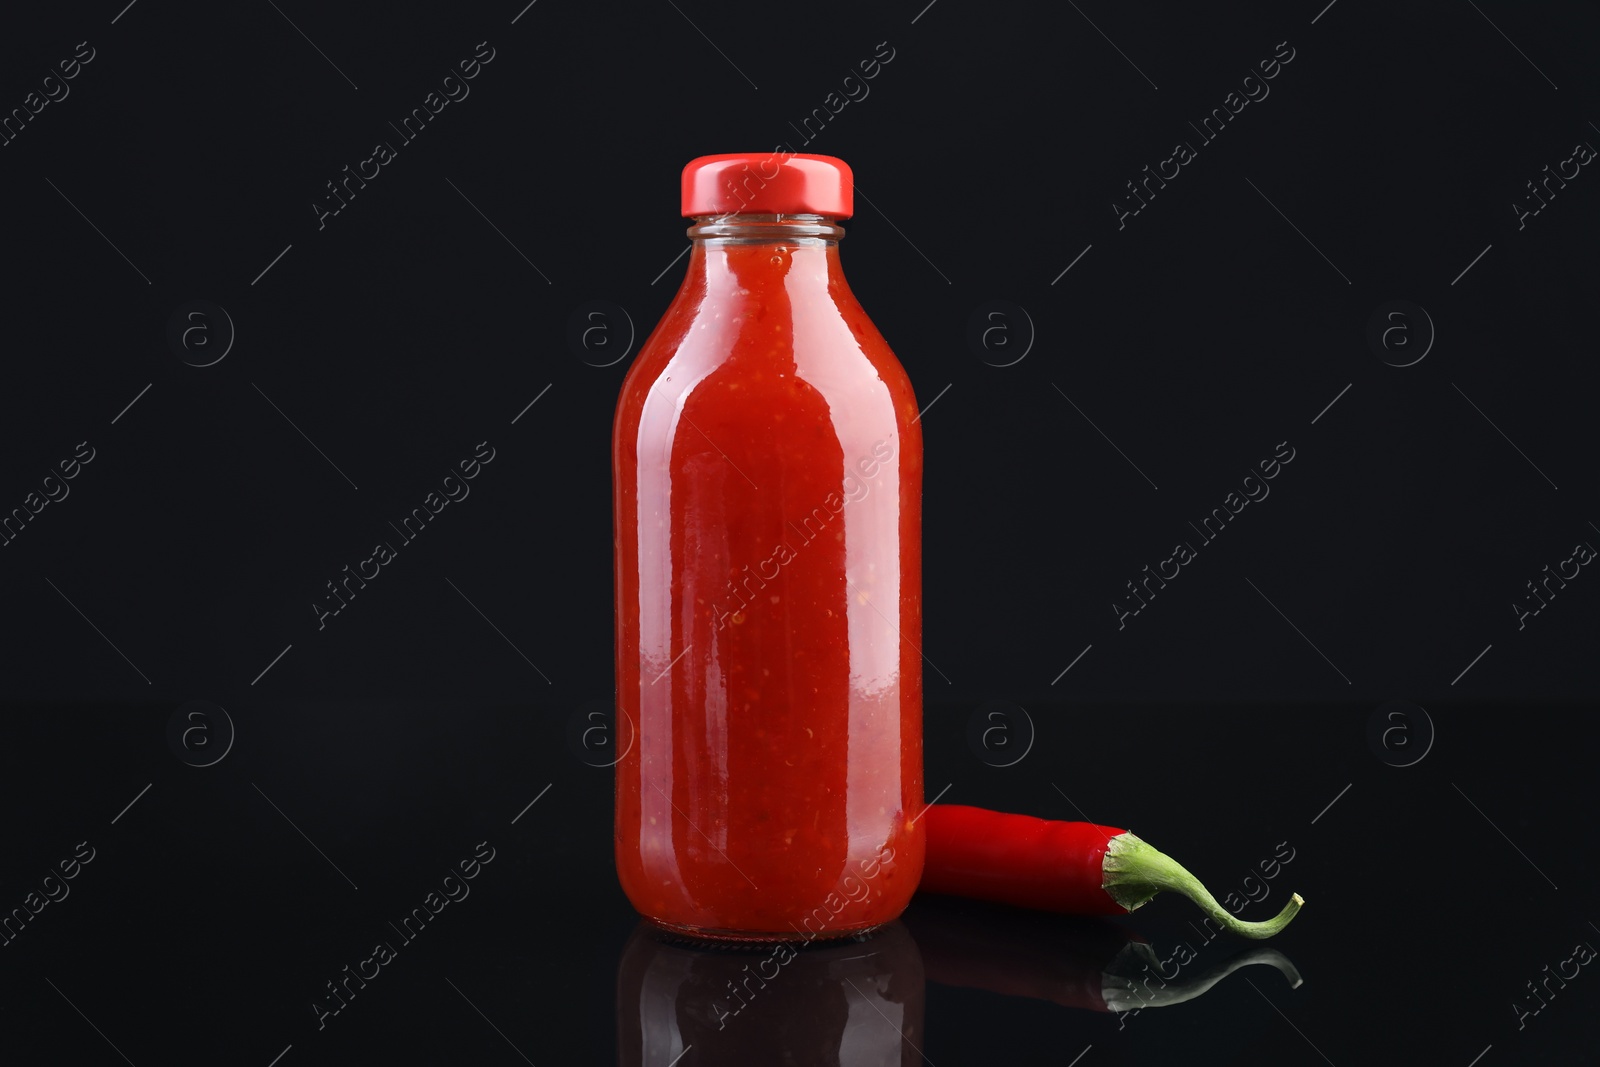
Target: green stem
1134	872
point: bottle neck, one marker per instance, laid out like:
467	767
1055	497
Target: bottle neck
776	229
740	253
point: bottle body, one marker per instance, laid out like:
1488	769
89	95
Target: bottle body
767	471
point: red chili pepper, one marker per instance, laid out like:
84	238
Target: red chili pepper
1077	868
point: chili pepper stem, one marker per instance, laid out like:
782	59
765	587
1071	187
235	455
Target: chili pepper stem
1134	872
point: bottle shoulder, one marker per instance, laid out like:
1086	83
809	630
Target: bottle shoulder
762	350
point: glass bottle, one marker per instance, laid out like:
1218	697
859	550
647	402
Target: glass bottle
767	478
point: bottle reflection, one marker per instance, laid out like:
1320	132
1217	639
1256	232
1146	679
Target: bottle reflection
861	1003
839	1004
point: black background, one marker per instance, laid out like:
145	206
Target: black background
371	354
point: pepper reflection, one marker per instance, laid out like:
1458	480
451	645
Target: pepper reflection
861	1003
1078	963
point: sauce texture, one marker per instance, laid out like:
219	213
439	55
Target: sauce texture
767	490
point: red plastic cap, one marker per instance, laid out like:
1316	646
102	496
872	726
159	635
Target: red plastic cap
777	183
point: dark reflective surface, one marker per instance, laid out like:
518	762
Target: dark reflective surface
862	1002
224	898
855	1003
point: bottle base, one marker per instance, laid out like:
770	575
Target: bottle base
711	937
